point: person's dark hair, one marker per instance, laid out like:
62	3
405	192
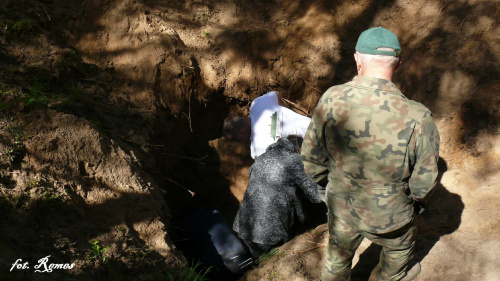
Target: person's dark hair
296	140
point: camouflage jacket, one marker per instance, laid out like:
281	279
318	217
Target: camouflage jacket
379	150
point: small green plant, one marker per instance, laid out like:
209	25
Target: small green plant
15	149
268	255
97	252
11	154
5	104
14	203
205	34
24	26
192	274
50	195
32	183
16	131
36	96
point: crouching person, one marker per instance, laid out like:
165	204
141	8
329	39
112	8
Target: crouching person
280	201
208	238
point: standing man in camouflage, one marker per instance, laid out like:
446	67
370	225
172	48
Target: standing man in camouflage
379	152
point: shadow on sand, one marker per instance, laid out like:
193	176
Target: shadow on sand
442	216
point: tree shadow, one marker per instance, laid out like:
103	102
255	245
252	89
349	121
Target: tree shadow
442	216
171	148
187	161
60	227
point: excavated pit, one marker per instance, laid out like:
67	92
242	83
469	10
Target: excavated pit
146	86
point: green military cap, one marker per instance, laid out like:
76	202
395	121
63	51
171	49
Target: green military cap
370	41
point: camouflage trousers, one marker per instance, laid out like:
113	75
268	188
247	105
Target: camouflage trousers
397	250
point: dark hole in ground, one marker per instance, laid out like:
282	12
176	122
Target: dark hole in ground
187	164
190	164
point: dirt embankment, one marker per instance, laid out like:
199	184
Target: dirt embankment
112	111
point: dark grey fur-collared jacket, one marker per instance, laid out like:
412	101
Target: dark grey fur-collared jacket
278	196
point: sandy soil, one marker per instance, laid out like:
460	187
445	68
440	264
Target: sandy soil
111	114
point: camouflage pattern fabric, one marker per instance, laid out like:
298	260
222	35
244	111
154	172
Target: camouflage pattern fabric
397	252
378	149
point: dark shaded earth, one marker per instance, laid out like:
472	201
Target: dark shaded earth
111	114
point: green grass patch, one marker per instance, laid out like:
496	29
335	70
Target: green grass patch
268	255
21	29
96	252
193	273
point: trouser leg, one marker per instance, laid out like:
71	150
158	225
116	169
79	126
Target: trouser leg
398	249
343	242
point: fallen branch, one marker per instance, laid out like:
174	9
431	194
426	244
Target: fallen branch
174	182
189	112
310	85
321	244
313	248
94	81
298	107
462	23
184	157
441	11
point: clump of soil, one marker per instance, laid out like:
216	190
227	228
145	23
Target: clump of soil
111	115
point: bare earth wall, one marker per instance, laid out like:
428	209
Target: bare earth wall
169	72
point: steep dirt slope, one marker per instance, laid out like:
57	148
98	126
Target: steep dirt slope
72	186
112	114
